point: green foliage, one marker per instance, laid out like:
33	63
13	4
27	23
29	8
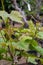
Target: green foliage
14	16
18	40
25	40
4	15
40	35
32	60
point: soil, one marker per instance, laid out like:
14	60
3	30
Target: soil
4	62
22	61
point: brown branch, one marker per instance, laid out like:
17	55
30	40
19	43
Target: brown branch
14	58
10	52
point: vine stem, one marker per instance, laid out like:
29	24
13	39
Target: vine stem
2	2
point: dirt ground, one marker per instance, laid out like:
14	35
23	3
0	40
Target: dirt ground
22	61
4	62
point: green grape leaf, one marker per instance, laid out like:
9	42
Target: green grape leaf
15	16
36	47
20	46
24	38
39	35
4	15
32	60
2	50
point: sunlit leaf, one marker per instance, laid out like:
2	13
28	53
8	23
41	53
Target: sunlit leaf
16	16
36	47
32	60
4	15
39	35
32	28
